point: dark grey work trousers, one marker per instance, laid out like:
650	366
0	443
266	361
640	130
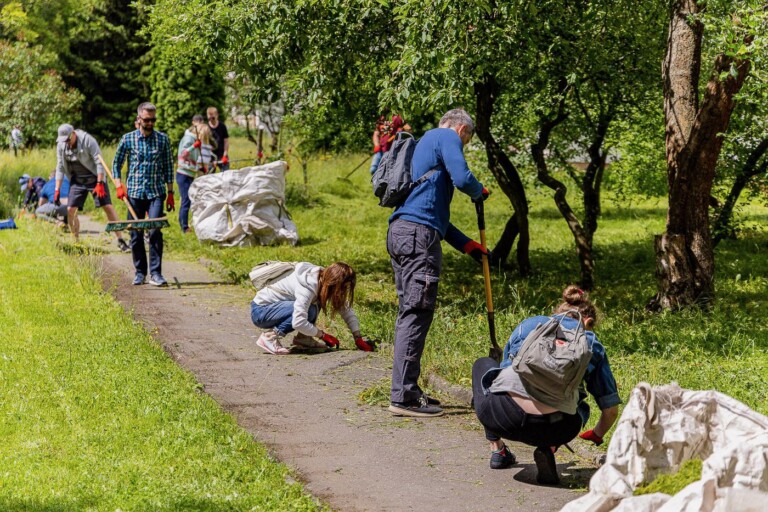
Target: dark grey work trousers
417	259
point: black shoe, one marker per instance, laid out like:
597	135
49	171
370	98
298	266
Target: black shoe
122	245
545	465
430	400
502	459
417	408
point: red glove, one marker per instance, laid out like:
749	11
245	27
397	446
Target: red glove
365	344
225	160
56	199
260	155
476	250
486	193
99	189
122	192
197	144
330	341
376	149
170	204
590	435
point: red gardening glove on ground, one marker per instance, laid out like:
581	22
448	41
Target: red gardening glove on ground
197	144
99	189
365	344
476	250
225	160
170	204
56	200
330	341
121	191
590	435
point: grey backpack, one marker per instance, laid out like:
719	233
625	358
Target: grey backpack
392	182
552	362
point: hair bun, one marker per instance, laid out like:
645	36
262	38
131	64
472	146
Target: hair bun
574	295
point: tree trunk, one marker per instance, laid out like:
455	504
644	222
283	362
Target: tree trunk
693	143
593	179
507	177
583	244
722	226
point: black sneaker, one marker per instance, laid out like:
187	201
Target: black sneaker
122	245
431	400
417	408
502	459
545	465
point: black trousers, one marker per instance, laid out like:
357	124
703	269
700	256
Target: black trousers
503	418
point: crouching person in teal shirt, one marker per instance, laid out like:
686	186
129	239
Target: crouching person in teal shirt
507	410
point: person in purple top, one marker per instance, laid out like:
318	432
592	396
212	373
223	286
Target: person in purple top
413	242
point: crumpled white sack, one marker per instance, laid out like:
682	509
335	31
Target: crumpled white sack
243	207
662	427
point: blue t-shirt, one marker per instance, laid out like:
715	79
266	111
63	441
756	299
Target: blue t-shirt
430	203
50	188
599	379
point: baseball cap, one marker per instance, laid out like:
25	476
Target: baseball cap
23	182
65	130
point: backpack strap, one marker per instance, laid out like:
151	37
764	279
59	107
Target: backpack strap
425	176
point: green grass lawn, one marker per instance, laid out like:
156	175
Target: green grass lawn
339	220
95	416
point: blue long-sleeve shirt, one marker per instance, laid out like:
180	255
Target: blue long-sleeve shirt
430	203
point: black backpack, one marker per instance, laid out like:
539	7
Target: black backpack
392	182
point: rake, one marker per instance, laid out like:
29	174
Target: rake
135	223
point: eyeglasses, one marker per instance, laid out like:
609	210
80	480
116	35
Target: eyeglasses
148	119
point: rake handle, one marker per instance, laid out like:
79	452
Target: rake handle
125	199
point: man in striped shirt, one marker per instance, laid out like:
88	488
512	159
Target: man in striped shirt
150	175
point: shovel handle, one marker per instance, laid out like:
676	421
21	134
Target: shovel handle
125	199
495	352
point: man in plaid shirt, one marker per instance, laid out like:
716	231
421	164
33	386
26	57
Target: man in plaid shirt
150	175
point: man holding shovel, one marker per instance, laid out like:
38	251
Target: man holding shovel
150	175
77	159
413	242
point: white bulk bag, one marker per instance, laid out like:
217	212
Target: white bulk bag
243	207
662	427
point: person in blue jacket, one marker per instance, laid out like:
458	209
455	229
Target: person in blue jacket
507	410
416	229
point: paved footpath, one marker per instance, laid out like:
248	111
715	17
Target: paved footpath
305	409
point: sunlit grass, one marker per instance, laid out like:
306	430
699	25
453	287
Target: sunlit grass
96	416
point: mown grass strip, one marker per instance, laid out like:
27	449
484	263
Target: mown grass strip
95	416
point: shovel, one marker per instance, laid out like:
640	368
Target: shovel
495	351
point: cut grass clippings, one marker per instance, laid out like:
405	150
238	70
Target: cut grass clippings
95	416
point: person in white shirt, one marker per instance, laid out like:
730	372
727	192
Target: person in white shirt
294	302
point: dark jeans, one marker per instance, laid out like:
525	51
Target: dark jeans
278	315
502	417
417	260
153	207
184	182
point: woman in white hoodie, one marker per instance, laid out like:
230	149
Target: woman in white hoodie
294	302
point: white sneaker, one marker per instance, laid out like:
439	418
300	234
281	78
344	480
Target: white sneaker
304	341
269	341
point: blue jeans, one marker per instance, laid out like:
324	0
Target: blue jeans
153	207
278	315
376	161
184	182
